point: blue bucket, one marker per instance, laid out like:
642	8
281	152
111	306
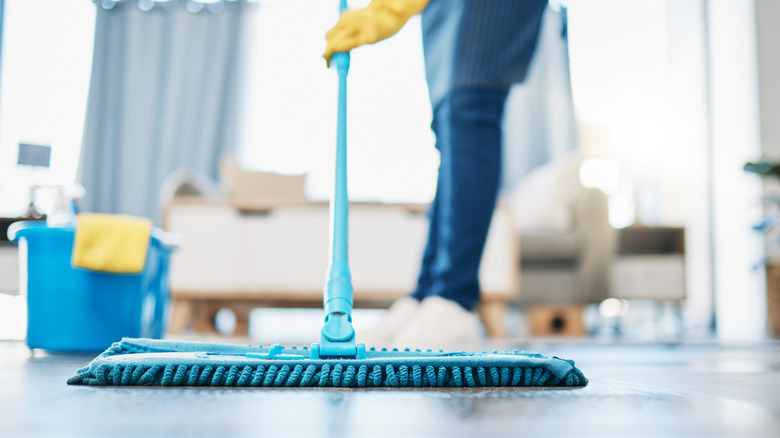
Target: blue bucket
77	310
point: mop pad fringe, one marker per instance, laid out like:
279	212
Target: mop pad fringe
144	362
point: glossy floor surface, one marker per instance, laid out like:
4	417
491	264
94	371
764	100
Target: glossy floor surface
690	390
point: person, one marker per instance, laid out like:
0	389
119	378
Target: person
474	51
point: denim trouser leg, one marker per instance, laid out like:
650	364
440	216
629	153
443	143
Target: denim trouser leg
467	124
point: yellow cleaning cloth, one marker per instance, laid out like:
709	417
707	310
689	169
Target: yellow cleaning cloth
111	243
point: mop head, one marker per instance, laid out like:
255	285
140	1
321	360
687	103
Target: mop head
147	362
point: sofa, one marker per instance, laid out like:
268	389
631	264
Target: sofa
567	247
569	266
268	247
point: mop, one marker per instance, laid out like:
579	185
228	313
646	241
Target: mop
337	360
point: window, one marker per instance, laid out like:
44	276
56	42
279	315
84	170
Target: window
291	106
46	61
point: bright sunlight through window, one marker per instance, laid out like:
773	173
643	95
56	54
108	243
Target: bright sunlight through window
291	107
46	62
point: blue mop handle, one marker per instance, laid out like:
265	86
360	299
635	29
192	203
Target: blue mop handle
339	248
340	200
338	296
338	335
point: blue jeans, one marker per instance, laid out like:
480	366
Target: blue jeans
467	124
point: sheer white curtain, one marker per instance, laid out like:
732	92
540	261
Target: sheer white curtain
164	96
539	123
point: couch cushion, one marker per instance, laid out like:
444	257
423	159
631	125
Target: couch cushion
542	202
548	247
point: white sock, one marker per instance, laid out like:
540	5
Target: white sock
396	318
439	323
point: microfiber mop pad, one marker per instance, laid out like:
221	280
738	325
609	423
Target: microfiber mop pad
145	362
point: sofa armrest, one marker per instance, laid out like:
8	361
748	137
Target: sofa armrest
597	243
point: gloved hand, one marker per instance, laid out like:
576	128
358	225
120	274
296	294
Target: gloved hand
379	20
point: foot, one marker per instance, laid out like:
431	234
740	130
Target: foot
439	324
396	317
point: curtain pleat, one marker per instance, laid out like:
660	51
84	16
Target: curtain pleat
162	98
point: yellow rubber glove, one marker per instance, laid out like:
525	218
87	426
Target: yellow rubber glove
379	20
